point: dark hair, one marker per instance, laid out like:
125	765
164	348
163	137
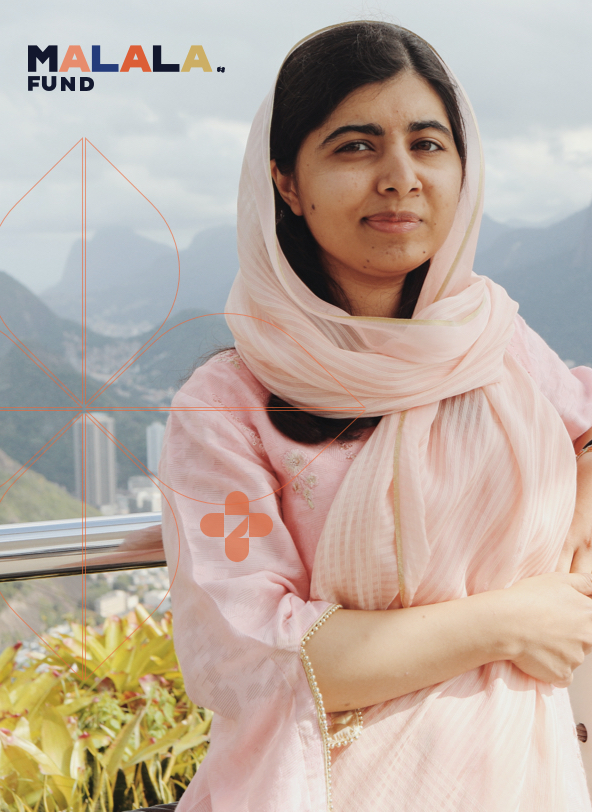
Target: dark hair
312	82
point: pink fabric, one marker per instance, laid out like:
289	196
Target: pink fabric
467	484
238	626
380	536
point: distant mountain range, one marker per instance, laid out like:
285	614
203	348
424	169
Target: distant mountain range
131	280
547	270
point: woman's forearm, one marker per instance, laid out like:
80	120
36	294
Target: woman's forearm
361	657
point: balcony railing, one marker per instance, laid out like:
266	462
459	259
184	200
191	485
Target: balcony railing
48	549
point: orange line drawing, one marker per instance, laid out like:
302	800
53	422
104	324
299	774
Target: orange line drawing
258	525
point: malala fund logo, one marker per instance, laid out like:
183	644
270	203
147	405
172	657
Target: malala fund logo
75	58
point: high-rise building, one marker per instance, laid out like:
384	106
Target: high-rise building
101	477
143	495
154	437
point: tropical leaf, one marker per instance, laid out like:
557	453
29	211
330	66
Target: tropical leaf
115	753
56	740
77	760
150	791
15	742
69	708
7	659
66	786
87	735
119	792
160	746
35	692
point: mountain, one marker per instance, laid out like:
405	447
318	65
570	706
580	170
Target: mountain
131	281
548	271
50	376
23	315
489	232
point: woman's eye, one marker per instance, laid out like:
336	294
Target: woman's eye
427	146
354	146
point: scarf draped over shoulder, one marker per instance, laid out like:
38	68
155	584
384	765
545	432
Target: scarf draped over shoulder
376	543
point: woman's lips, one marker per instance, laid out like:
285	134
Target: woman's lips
392	223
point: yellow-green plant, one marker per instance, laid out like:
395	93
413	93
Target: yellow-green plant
101	723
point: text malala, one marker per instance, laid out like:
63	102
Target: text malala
134	58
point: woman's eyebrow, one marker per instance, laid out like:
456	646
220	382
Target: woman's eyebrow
366	129
431	124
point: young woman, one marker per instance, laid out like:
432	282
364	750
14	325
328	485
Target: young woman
373	502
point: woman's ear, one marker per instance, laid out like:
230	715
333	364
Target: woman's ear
287	188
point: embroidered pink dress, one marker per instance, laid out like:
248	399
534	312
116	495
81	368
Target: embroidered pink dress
239	625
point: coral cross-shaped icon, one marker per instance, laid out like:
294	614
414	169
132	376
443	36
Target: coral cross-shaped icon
255	525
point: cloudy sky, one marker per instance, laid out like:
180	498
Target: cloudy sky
179	137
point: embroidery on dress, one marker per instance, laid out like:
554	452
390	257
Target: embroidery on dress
228	356
294	461
346	448
253	436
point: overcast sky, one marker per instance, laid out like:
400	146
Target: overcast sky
179	137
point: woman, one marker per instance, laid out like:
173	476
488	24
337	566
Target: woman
450	500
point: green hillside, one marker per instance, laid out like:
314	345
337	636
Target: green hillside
33	498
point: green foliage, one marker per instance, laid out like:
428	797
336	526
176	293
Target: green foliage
32	498
101	723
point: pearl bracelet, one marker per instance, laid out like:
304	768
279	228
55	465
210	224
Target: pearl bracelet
344	737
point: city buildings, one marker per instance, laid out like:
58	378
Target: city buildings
154	436
99	453
142	495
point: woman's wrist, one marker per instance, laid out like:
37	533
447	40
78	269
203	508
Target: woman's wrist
498	624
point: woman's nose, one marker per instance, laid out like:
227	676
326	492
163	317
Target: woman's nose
398	175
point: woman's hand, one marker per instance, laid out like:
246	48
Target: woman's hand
576	555
548	624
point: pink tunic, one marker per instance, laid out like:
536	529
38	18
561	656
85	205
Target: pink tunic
238	625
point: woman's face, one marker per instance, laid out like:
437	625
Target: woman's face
378	185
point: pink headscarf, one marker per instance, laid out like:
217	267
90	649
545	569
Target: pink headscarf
378	540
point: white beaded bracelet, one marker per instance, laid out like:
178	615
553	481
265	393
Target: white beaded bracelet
331	742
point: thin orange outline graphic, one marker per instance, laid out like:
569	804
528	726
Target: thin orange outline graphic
133	357
81	407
